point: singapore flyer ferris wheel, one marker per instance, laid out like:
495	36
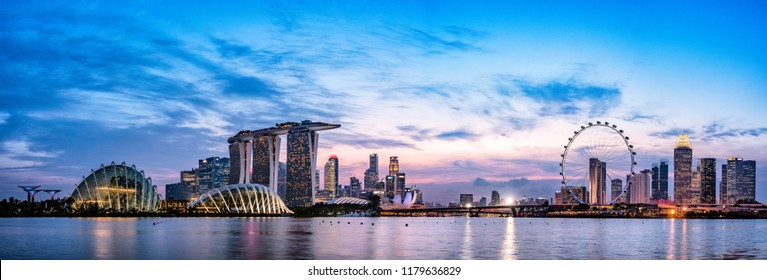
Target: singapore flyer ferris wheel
597	164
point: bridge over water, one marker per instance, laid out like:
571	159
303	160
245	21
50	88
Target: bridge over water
475	211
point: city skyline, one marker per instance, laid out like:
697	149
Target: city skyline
482	99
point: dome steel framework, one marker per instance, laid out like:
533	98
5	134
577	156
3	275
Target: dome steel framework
240	199
116	188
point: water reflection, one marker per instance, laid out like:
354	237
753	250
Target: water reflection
509	249
380	238
466	252
671	244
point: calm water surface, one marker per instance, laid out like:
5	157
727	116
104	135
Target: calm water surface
380	238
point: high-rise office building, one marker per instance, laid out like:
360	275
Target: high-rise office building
189	178
178	192
467	200
495	198
707	180
682	170
331	176
660	181
597	181
400	184
355	189
371	174
573	195
616	189
393	166
212	172
740	181
640	187
695	188
482	201
380	189
723	186
390	181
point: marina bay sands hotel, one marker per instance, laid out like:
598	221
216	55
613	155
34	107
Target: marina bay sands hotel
254	157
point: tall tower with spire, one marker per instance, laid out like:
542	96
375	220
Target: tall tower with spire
683	170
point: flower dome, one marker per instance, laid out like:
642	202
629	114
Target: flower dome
116	189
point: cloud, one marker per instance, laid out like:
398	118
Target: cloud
639	117
19	154
21	148
4	116
457	134
431	43
674	132
479	182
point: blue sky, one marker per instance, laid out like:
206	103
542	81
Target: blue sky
459	91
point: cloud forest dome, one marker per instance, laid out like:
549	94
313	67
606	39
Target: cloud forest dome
116	188
240	199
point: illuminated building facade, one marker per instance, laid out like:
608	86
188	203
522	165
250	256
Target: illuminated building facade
400	189
190	179
707	180
254	158
240	199
355	189
331	176
741	180
616	188
723	186
597	181
116	189
302	156
568	195
683	170
660	181
178	191
371	174
390	181
212	172
466	199
640	187
393	166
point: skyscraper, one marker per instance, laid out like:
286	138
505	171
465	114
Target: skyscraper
354	187
597	180
254	158
616	188
212	172
302	156
640	187
707	180
660	181
723	186
495	198
741	181
393	166
390	187
371	174
467	200
400	184
266	156
281	179
331	176
189	178
682	170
